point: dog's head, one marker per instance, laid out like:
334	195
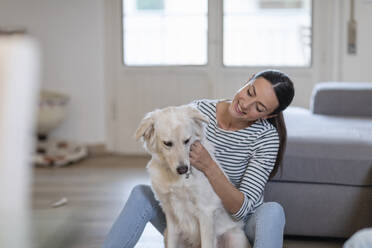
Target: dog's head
169	132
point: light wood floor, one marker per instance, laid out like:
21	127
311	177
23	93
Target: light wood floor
97	189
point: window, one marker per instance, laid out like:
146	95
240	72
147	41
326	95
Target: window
150	5
255	32
267	33
165	32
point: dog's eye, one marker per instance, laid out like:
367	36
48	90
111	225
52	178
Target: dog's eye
187	141
168	143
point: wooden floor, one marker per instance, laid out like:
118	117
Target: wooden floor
97	189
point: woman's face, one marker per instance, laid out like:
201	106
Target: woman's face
254	100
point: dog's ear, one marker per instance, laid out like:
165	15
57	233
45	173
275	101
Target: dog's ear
198	119
196	115
146	128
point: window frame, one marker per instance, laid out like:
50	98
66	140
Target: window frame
215	41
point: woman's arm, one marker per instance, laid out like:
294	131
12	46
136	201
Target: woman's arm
232	199
240	201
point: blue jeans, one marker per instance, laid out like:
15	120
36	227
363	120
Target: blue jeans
264	227
360	239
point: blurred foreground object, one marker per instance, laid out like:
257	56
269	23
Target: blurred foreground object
19	85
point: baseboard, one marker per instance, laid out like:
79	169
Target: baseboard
95	150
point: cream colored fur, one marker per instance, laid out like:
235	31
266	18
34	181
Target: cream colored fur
194	213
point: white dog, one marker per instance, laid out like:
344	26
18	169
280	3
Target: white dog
194	213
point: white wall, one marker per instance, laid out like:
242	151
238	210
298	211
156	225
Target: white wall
357	67
137	90
71	33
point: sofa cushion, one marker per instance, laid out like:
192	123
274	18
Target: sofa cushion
327	149
342	98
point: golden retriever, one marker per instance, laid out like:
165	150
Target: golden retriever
194	213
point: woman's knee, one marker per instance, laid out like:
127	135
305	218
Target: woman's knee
360	239
274	211
142	194
141	190
144	197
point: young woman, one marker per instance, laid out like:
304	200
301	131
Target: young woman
249	137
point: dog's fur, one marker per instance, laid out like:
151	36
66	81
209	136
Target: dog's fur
194	213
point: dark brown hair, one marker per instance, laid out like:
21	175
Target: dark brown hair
284	91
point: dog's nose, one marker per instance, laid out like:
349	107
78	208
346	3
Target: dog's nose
182	169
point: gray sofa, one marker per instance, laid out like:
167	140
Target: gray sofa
326	183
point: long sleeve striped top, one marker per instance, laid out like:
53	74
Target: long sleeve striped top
247	155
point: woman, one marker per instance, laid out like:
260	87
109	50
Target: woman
360	239
249	137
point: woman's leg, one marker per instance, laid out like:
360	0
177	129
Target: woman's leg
360	239
265	227
140	208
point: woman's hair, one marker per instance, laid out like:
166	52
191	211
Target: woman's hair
284	91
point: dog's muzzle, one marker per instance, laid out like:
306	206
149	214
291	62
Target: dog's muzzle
182	169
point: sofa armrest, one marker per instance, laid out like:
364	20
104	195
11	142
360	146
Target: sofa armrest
342	98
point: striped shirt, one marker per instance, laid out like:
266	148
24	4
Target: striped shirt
247	156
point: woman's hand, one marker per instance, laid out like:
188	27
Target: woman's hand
200	157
